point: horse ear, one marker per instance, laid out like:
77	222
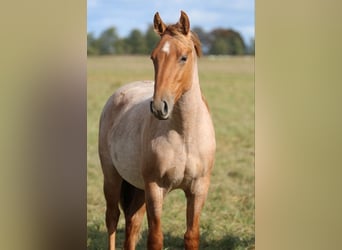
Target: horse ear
184	22
159	25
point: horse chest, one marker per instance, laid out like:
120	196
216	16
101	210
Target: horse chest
174	164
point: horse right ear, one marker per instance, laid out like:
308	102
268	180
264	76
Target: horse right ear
159	25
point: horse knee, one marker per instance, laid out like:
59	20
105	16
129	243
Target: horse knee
112	218
191	240
155	241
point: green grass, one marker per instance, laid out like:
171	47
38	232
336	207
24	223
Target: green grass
227	220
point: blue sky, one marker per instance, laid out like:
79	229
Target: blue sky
126	15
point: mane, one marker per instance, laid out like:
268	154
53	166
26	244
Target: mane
176	31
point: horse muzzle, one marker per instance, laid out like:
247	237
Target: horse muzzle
160	109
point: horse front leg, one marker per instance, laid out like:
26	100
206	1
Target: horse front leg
196	196
154	202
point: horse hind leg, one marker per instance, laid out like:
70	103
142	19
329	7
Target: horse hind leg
111	188
133	204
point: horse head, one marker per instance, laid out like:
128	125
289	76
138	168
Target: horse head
173	59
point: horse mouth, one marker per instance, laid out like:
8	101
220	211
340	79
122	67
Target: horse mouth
161	117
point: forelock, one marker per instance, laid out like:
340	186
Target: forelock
176	32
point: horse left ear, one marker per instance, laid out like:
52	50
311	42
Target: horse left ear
184	22
159	25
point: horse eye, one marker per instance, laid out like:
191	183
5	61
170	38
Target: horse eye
183	58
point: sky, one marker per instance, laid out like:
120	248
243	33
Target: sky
126	15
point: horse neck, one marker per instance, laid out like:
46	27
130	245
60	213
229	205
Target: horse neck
188	107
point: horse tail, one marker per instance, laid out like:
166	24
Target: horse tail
131	198
127	192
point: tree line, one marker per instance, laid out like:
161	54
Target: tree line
218	41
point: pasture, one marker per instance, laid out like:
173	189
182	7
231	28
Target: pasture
227	220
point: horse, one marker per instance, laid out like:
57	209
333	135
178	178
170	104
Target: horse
157	136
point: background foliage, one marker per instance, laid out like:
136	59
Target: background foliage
219	41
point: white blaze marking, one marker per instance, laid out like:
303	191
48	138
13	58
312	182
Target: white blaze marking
166	48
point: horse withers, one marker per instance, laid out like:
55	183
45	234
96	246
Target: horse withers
158	136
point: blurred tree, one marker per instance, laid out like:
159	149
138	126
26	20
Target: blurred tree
151	38
106	41
217	42
92	46
226	41
204	38
121	47
251	47
219	46
136	42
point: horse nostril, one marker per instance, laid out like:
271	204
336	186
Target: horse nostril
151	106
159	109
165	108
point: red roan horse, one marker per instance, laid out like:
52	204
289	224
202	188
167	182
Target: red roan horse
158	136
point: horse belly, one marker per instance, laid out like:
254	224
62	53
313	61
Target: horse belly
126	148
126	161
125	139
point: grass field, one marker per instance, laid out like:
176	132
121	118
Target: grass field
227	220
